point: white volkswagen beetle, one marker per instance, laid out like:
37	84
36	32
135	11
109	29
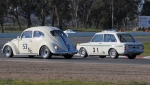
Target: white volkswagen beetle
42	40
111	43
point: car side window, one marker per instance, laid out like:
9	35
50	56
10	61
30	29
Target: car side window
27	34
38	34
109	38
97	38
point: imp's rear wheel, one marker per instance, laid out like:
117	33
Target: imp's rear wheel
113	53
8	51
45	52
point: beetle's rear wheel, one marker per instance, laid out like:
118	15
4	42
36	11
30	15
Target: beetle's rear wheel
8	51
45	52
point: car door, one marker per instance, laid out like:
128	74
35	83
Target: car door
95	45
109	42
37	39
25	42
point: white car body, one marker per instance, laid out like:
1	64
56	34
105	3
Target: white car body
122	44
69	31
42	40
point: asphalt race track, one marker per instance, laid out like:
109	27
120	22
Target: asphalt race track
76	58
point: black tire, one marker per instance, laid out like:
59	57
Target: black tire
83	52
8	52
102	56
131	56
113	53
45	52
31	56
68	56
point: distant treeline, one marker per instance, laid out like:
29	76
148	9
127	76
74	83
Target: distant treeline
74	13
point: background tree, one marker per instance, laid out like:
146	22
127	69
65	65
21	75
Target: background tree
42	10
3	12
14	11
60	8
27	8
146	8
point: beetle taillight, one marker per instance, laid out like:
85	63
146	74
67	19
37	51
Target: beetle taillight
56	47
142	47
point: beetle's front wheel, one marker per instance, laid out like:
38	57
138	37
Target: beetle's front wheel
8	51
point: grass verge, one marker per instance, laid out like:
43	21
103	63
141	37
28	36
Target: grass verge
146	49
67	82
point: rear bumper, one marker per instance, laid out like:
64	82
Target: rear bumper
132	52
68	52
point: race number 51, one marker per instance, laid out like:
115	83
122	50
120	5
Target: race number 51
24	46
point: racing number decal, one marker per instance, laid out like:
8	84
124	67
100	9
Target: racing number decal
24	46
94	50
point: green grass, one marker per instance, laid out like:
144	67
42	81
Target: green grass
67	82
146	49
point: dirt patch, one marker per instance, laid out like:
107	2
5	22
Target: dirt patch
85	72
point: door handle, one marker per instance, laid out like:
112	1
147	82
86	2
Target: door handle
30	40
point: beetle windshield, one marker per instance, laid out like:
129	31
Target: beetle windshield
58	33
125	38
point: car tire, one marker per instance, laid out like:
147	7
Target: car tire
102	56
31	56
113	53
68	56
131	56
45	52
8	51
83	52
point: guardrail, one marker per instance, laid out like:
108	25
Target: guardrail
79	34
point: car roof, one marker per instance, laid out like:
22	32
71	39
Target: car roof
43	28
112	32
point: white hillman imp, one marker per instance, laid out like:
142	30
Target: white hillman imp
111	43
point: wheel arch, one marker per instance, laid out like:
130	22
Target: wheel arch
110	49
13	47
50	45
85	49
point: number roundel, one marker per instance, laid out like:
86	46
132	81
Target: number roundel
24	46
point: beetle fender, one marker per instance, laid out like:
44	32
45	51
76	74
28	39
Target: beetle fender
13	46
50	45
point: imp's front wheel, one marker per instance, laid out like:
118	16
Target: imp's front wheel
83	52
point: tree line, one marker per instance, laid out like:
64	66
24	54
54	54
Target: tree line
76	13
